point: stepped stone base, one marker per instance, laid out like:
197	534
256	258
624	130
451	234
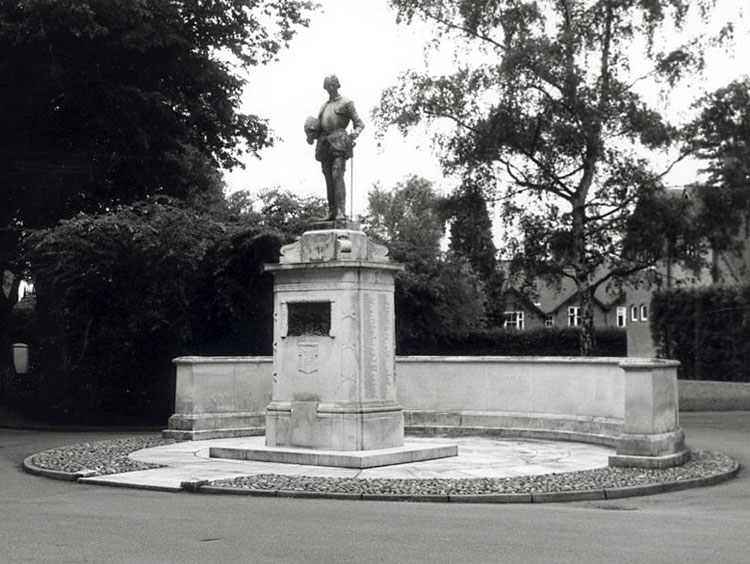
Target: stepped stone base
204	426
660	462
209	434
341	459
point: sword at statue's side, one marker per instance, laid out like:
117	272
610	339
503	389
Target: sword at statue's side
351	187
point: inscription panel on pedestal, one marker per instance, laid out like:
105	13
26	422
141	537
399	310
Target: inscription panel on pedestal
377	346
387	345
370	345
308	319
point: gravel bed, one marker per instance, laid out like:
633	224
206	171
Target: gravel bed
111	457
701	464
101	457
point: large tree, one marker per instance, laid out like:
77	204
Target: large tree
720	138
546	111
104	102
467	213
439	294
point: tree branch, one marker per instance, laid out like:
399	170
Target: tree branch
529	184
461	28
603	216
621	273
623	204
649	74
563	190
683	155
453	118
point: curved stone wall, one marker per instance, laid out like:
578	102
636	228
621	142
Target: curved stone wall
630	404
555	397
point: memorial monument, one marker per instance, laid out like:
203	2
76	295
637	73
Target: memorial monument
330	395
334	390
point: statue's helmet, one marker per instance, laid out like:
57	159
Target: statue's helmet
333	80
312	126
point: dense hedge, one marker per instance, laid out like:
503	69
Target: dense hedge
535	342
118	296
706	329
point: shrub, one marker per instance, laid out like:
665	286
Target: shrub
234	305
504	342
706	329
120	295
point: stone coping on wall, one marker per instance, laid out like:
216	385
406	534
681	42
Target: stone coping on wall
609	360
222	360
641	362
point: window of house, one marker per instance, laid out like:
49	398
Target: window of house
644	312
513	320
574	316
633	313
622	316
549	321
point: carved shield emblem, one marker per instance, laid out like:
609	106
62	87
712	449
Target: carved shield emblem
307	358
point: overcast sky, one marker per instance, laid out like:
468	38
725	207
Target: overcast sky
360	41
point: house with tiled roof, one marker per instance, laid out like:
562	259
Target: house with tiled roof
546	304
550	304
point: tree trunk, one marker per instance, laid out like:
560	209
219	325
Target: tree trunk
715	274
582	274
588	333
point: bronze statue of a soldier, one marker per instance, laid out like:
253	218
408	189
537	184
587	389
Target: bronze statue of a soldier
335	144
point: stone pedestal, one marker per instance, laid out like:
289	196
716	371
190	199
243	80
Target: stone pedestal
334	345
334	396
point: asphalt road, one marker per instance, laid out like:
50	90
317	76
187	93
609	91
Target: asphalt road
43	520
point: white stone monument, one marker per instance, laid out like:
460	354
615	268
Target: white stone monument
334	390
334	345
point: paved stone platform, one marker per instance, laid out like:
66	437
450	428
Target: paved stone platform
478	457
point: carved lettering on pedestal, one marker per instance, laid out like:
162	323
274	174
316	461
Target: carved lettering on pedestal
386	343
371	346
391	328
307	358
